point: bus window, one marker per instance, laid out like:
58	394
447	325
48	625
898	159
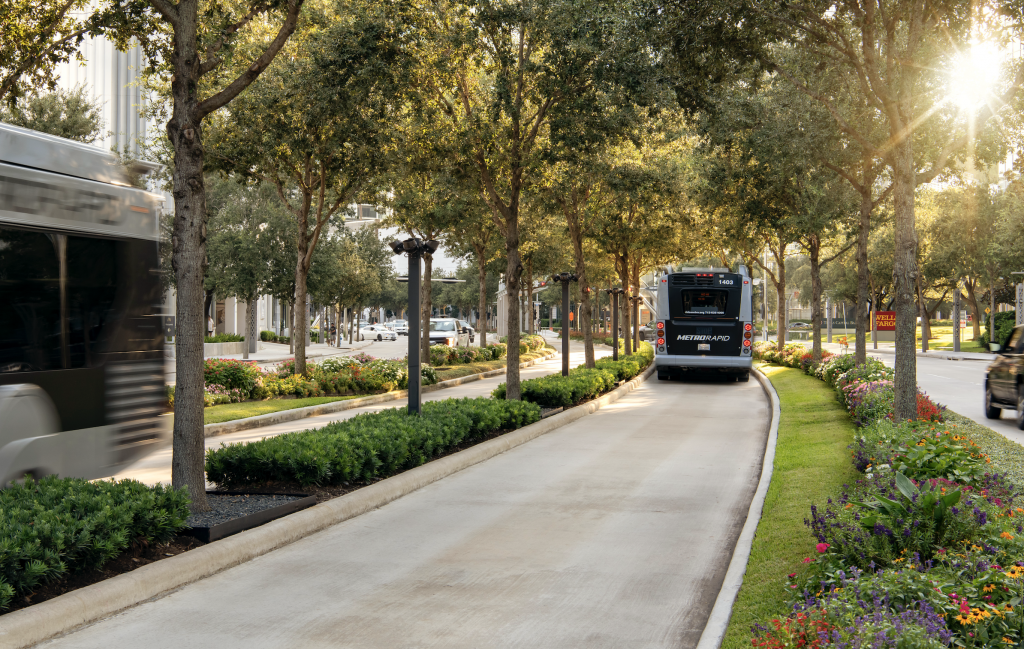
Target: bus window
705	302
91	289
29	302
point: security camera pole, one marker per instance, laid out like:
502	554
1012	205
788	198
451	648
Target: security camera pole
414	248
615	292
565	278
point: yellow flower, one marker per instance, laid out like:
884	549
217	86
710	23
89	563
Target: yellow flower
1006	535
989	588
1007	640
962	620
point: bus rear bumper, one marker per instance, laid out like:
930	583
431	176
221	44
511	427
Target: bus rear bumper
729	362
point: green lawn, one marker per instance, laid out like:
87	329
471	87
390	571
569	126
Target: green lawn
941	339
811	464
232	411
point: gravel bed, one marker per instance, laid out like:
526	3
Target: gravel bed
1007	455
228	507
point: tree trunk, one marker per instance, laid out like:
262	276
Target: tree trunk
636	305
904	274
184	130
355	320
529	296
291	327
780	294
923	311
425	309
513	275
351	326
815	250
300	326
863	234
575	226
481	321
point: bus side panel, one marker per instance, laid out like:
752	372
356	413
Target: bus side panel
721	339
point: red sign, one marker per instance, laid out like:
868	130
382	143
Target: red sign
885	320
570	316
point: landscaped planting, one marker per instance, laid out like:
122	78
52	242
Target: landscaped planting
57	526
367	447
224	338
925	549
582	384
445	356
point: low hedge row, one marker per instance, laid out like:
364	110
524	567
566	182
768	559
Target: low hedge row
224	338
366	447
56	526
582	384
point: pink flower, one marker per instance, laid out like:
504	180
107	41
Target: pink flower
792	574
964	608
807	559
821	547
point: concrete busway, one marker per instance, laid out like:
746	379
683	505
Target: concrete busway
613	531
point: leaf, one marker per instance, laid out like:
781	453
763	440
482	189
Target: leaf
869	521
906	487
951	499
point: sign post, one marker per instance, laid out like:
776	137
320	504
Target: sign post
883	322
565	278
415	249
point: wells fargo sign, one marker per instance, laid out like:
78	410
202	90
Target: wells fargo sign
885	320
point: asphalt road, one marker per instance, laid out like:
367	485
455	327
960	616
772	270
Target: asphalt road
156	467
960	386
614	531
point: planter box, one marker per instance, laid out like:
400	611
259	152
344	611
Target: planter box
222	349
242	523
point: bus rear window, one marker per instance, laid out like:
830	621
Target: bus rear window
709	302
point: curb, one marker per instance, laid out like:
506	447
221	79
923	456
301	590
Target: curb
67	612
272	418
718	621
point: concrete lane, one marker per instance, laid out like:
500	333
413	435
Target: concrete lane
960	386
156	467
614	531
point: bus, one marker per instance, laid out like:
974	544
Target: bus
81	338
705	323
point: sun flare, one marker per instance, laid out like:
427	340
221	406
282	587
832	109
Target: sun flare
974	76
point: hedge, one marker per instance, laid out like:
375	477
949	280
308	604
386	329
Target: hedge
224	338
367	447
56	526
582	384
1005	322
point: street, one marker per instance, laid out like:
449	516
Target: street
614	531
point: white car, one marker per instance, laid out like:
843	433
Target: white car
377	332
400	327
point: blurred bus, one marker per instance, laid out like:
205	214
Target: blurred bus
81	339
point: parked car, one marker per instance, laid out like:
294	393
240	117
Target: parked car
647	331
400	327
448	331
472	331
377	332
799	325
1004	378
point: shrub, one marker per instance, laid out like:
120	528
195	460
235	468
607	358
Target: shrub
523	348
1004	325
441	355
498	350
224	338
231	374
624	368
428	375
556	391
268	336
368	446
56	526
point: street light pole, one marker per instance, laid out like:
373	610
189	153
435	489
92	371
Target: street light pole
414	248
565	278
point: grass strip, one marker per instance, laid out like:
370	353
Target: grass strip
448	372
811	463
233	411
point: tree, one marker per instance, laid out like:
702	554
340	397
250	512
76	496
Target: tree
195	46
64	113
315	127
501	76
893	52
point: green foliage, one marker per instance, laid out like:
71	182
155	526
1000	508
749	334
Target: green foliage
224	338
231	374
65	113
268	336
367	447
1004	325
51	528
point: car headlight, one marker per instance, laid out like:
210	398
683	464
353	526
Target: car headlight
450	342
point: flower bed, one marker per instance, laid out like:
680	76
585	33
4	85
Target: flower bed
925	550
367	447
445	356
56	526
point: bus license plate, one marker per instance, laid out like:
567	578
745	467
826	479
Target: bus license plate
703	347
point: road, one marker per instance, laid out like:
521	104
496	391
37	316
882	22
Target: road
960	386
156	467
613	531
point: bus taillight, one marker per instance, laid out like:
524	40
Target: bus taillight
661	341
748	327
746	343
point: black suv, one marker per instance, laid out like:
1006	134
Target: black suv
1004	379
